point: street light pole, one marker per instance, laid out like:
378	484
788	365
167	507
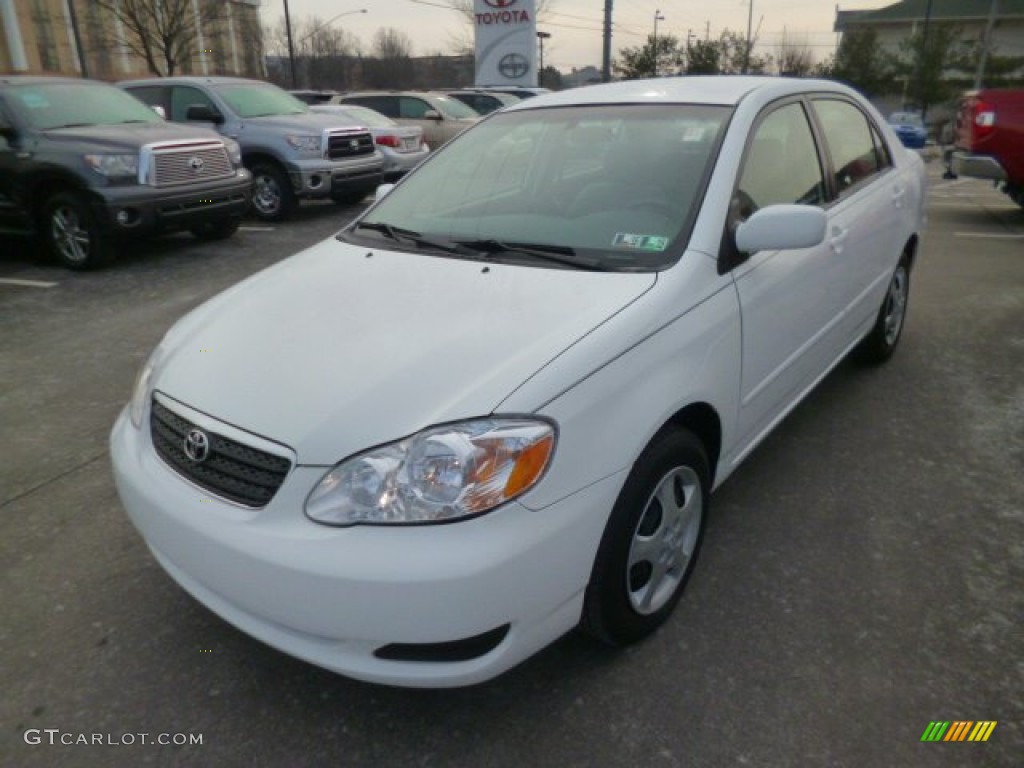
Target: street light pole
542	36
657	17
291	44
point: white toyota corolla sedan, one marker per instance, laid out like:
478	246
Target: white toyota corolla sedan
494	407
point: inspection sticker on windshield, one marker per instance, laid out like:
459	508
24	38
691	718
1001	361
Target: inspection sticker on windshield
640	242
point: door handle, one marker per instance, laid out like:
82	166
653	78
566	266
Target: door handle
898	193
838	239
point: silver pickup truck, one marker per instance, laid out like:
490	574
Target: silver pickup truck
292	152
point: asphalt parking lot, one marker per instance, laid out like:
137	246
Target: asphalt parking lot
862	575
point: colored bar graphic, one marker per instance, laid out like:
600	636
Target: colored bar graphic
959	730
982	730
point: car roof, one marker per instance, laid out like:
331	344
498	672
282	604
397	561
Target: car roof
719	90
39	79
190	80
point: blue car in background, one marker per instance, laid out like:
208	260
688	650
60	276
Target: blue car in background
910	128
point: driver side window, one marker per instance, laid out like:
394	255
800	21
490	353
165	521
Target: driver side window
183	97
782	164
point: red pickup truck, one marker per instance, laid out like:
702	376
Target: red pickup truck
988	139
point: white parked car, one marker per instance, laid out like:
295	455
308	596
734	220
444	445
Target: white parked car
494	407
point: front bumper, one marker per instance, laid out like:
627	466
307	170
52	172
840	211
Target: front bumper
337	596
142	210
976	166
317	178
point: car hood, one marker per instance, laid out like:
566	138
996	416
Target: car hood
129	136
307	121
341	348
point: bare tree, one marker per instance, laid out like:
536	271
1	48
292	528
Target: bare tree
390	65
793	56
391	43
165	33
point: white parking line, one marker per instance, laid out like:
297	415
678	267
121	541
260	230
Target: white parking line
27	283
989	235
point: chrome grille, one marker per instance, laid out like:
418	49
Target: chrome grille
342	144
231	470
189	164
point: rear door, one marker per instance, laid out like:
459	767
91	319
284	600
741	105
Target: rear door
865	220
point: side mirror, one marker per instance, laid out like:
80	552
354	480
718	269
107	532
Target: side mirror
203	114
782	227
432	114
159	110
382	190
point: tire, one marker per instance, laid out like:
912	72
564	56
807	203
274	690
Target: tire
219	229
880	343
651	541
72	233
273	198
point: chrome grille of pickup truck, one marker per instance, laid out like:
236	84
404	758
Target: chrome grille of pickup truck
189	163
227	468
342	144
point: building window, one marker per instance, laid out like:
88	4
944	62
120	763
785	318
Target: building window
45	43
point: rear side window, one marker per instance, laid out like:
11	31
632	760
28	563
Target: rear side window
386	105
782	164
851	141
150	95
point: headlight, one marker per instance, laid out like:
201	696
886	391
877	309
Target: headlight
439	475
143	389
234	151
113	166
304	143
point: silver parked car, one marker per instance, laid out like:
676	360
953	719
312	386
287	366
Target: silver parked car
441	117
403	147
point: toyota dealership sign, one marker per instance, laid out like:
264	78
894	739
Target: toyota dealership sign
506	42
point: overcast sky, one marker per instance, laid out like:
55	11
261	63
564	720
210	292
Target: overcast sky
575	25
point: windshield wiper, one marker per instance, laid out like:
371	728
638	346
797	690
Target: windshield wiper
398	234
556	254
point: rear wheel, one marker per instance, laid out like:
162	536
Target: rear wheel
220	229
273	198
72	233
880	343
650	544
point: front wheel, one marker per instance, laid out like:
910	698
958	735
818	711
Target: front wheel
72	232
650	544
273	198
881	341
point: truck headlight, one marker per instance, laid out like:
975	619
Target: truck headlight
114	166
308	144
439	475
234	151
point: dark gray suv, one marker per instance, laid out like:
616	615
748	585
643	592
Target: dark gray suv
82	163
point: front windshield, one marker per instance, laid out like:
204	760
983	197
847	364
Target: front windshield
260	100
611	187
455	108
49	106
906	118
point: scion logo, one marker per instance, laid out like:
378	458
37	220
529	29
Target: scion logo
500	3
197	445
513	66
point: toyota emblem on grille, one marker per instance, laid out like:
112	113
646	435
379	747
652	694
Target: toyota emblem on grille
354	143
196	164
197	445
